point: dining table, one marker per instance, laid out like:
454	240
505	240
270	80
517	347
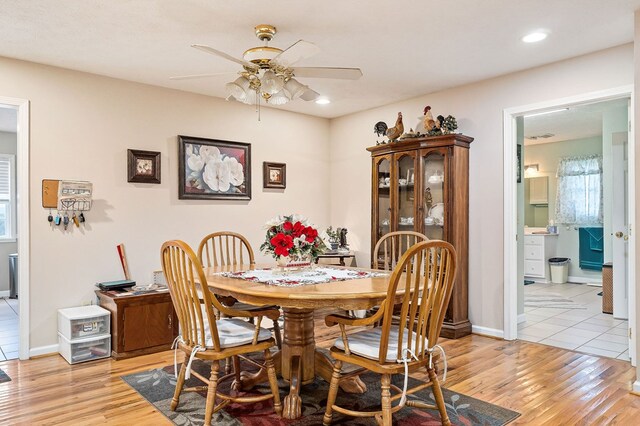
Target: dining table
299	361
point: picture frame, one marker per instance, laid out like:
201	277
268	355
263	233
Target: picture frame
143	166
213	169
274	175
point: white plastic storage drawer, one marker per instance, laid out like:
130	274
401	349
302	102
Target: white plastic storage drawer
533	240
533	252
81	350
83	321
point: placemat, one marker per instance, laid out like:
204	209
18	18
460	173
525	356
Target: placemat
312	276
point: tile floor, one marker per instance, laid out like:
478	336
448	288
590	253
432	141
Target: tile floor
9	331
584	330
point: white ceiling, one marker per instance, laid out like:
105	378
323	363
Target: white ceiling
577	122
404	48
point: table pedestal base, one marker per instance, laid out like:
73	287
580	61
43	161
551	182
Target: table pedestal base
299	362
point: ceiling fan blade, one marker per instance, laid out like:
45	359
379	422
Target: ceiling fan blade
297	51
310	95
328	72
194	76
226	56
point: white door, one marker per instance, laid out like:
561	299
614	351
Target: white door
620	227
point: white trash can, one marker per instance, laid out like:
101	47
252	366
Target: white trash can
559	269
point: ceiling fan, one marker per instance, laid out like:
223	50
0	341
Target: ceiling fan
268	72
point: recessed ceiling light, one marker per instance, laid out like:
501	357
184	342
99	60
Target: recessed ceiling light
323	101
534	37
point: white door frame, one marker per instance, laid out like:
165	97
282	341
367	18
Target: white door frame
510	277
22	192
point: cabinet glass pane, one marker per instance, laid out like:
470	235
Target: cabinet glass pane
406	194
433	197
384	201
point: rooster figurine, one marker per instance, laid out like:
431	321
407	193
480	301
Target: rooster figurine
396	131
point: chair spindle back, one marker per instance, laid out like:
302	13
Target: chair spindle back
390	247
182	269
426	273
225	249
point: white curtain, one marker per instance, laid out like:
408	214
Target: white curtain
579	195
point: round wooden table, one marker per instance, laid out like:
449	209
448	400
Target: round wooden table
299	361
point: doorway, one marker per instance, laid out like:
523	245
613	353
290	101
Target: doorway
573	158
14	222
514	236
9	309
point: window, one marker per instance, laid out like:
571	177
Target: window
7	197
579	195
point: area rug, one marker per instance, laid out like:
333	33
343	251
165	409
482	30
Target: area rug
550	300
4	377
157	387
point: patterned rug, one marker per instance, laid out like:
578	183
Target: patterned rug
157	387
4	377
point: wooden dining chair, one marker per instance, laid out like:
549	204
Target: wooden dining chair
204	337
227	248
423	279
390	248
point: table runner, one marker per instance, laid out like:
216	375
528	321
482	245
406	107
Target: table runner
316	275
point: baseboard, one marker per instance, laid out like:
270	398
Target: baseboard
583	280
5	293
486	331
636	387
43	350
522	318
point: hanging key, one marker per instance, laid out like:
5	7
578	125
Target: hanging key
81	217
65	221
50	217
58	219
76	222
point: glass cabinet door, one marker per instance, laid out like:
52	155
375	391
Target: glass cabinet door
433	198
404	182
383	171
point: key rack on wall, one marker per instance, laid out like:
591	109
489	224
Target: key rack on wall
66	197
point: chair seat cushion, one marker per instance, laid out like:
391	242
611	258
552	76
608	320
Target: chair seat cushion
236	332
367	343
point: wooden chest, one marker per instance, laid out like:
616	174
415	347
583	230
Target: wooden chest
140	324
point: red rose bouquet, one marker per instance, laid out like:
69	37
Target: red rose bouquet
293	237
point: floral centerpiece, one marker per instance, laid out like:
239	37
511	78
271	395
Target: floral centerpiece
292	241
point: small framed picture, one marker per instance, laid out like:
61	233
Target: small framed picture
274	175
143	166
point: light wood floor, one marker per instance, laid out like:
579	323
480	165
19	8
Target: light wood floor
548	386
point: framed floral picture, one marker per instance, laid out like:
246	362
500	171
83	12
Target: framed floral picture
274	175
213	169
143	166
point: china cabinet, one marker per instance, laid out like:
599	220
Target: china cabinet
422	185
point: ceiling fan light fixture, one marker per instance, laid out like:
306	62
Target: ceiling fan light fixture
271	83
279	98
295	88
238	88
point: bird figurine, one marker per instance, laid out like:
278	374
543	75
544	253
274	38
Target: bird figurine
380	129
396	131
429	122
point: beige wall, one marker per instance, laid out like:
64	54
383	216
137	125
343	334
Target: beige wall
479	110
81	128
7	146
